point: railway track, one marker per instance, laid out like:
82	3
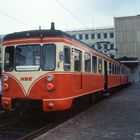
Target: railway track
23	129
16	128
31	127
5	116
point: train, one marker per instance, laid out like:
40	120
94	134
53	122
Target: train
49	70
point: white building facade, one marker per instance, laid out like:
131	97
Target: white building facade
101	39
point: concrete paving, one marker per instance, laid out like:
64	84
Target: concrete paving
114	118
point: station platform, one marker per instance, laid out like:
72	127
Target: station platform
115	118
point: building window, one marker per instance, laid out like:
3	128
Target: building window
111	35
87	57
99	47
86	36
105	35
93	46
80	37
111	46
105	46
99	36
92	36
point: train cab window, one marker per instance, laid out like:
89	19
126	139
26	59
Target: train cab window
9	58
27	57
94	64
87	58
100	65
67	64
48	57
77	60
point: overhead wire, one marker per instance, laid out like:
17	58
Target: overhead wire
79	20
17	20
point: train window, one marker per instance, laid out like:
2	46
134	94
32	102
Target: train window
109	68
77	60
113	72
9	58
49	57
118	70
66	58
94	64
115	69
100	65
87	57
27	57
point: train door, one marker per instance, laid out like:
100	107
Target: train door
105	76
77	83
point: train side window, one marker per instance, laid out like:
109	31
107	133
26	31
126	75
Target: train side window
94	64
67	64
109	68
113	72
115	69
77	60
118	69
9	58
100	65
87	57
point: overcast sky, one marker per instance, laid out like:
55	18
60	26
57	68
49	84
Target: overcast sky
30	14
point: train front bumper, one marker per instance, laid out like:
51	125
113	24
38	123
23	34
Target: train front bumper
23	104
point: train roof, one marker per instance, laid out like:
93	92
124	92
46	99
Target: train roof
35	33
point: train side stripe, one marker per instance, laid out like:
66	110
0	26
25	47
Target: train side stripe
61	99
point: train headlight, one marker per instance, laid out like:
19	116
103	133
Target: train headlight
49	78
4	78
5	86
50	87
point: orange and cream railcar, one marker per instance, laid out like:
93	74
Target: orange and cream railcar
49	69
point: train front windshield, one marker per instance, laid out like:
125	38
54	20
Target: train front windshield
29	57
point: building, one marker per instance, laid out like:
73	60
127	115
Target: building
101	39
127	40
